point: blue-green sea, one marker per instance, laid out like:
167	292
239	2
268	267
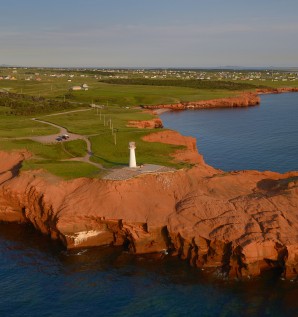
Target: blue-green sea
262	138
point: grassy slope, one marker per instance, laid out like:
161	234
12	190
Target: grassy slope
120	95
50	156
106	152
134	95
67	170
17	126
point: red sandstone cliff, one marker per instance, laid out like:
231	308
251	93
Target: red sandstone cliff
148	124
277	90
244	100
239	223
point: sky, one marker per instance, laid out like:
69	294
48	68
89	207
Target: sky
149	33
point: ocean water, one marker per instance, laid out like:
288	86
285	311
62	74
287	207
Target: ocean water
39	278
261	138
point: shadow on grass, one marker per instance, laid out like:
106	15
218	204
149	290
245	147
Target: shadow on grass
108	162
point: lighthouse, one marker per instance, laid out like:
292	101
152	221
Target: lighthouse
132	156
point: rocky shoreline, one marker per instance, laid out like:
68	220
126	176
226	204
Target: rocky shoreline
246	99
239	224
243	100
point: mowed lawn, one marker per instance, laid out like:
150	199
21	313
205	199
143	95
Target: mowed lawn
51	157
135	95
109	146
111	149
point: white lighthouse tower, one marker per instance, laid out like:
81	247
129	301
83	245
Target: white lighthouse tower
132	156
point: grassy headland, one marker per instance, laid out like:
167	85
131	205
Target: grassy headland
32	92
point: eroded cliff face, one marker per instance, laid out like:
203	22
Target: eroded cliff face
147	124
243	100
246	99
279	90
238	223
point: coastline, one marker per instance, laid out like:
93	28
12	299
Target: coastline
238	224
245	99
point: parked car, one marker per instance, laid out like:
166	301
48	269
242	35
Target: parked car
65	136
59	138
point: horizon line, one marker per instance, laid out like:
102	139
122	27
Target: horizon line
155	67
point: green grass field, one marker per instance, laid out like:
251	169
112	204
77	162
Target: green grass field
66	170
109	155
76	148
116	95
95	124
120	102
135	95
106	152
17	126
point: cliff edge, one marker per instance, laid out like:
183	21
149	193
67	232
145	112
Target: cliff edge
237	224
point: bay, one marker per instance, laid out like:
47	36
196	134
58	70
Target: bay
263	137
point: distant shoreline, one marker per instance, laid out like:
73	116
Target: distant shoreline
245	99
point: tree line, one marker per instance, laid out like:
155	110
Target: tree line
189	83
24	105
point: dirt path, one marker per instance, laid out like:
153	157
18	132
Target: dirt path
72	136
66	112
